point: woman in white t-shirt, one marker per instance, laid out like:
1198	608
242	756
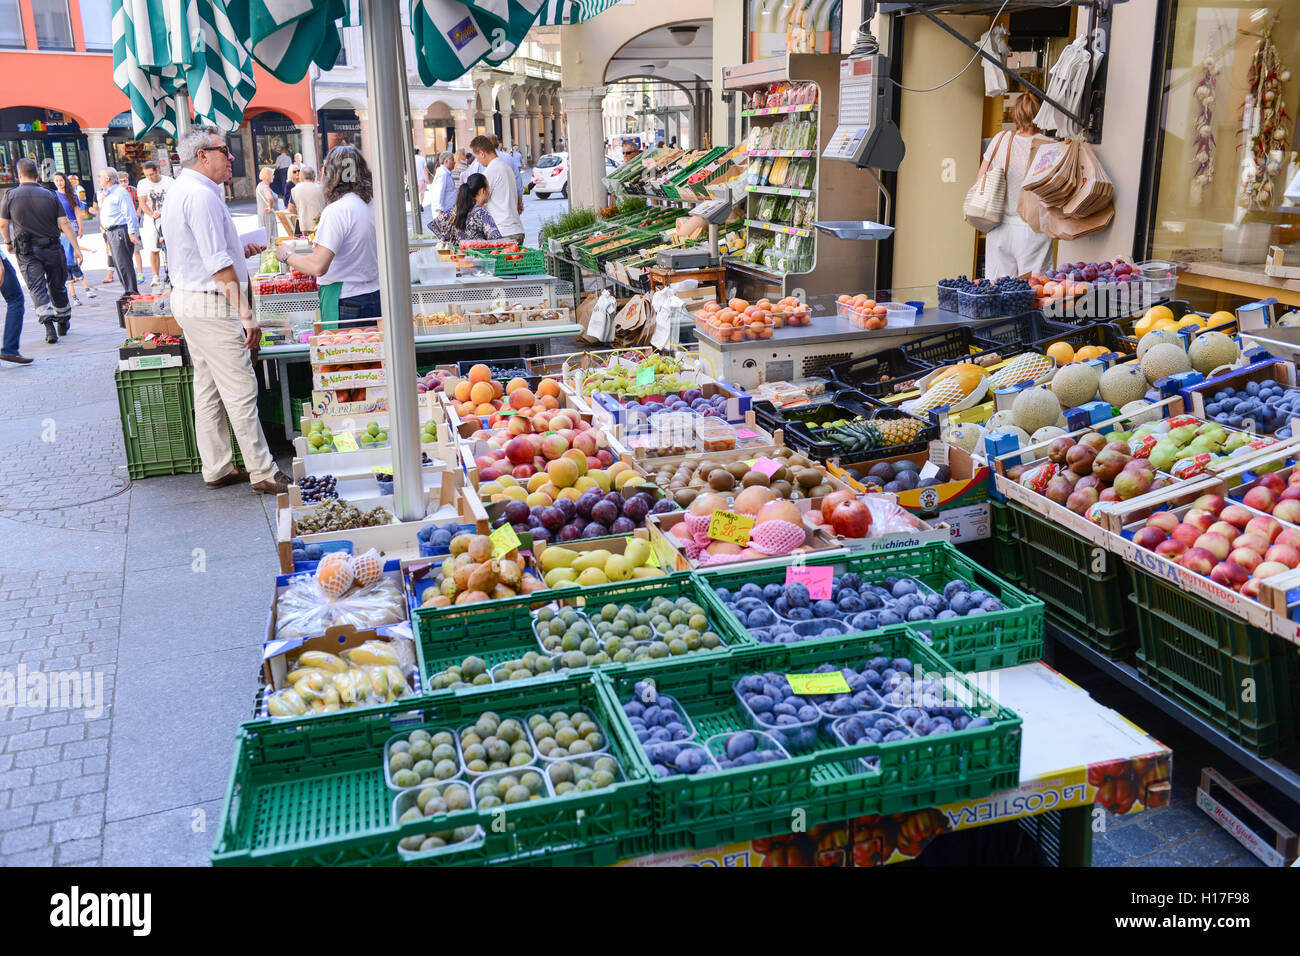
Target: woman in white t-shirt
345	236
1013	248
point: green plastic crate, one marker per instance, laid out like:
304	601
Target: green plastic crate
157	412
1008	561
1083	585
532	263
1202	656
314	793
828	783
978	642
503	630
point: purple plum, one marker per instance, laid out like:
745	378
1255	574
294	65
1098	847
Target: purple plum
604	512
622	526
595	530
586	501
516	511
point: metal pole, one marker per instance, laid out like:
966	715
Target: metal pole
412	171
381	24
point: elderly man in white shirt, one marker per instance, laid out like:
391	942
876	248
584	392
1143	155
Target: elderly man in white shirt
209	273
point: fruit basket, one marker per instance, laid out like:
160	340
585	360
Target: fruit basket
1023	329
955	345
1084	343
1012	634
720	806
315	793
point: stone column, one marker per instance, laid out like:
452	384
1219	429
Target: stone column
534	145
310	154
363	117
582	105
507	126
98	154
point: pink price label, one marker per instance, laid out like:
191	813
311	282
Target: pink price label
816	580
766	465
745	433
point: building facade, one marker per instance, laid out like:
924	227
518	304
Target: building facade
66	109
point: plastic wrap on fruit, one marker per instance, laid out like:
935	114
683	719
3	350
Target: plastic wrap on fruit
353	687
1188	467
888	517
321	659
286	703
1095	512
372	653
1140	446
313	679
303	609
1178	421
1037	477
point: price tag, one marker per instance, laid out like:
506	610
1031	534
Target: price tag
832	683
504	540
345	442
265	340
729	526
383	470
745	433
766	465
816	580
645	376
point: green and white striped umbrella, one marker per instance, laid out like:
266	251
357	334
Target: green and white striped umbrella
164	47
556	13
287	36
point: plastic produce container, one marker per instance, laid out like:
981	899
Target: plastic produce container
796	735
979	305
407	799
432	729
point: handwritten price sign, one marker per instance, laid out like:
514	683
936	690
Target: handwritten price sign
345	442
504	540
832	683
729	526
767	466
645	376
816	580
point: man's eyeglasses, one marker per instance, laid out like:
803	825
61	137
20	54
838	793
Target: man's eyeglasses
629	153
223	149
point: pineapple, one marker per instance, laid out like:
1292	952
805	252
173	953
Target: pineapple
899	431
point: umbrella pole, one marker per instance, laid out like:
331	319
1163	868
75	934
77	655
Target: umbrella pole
412	171
389	139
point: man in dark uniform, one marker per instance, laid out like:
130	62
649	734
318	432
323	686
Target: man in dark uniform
30	222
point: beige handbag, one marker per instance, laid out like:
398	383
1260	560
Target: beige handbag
982	207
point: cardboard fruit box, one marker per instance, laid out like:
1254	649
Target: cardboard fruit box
150	354
613	409
328	353
876	541
674	556
1197	397
345	402
352	377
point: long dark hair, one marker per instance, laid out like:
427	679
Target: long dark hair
68	191
345	171
465	198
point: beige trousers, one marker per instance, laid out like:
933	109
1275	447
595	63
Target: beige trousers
223	376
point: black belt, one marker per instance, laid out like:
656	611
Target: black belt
119	226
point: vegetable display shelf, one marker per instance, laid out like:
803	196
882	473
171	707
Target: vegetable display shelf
779	153
780	110
777	227
780	191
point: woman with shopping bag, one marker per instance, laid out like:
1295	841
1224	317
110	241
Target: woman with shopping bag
1013	247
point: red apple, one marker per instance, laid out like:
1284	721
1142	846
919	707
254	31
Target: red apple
1229	575
1289	536
1216	544
1263	524
1149	538
1251	589
1287	510
1229	531
851	519
1260	498
1268	569
1166	521
491	473
1256	542
1199	560
1186	533
1172	549
1237	515
1211	503
1283	554
1245	557
1273	482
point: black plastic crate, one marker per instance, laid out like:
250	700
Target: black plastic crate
849	400
1105	334
879	374
799	435
1023	329
955	345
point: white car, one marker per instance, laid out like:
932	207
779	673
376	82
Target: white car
551	175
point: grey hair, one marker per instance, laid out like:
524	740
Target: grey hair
109	173
196	139
308	173
444	156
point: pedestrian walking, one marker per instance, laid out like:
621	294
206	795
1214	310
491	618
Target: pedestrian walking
266	204
462	167
121	225
504	202
152	191
308	201
444	185
12	292
31	220
124	180
209	273
75	210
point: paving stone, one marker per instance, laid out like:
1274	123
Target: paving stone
1159	859
73	731
85	748
79	828
1103	854
33	738
1175	823
28	838
85	784
1208	850
55	718
16	818
56	810
41	857
1135	841
52	773
29	795
90	803
38	757
80	852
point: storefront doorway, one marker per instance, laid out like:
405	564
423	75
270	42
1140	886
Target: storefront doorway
338	127
48	137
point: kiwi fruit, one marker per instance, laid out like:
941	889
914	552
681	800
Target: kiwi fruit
820	491
721	480
754	478
808	478
738	469
684	496
781	474
781	488
799	460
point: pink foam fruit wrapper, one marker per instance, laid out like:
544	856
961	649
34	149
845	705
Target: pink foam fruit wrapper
746	433
776	537
816	580
697	524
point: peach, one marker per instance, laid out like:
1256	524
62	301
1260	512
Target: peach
1199	560
1172	549
1245	557
480	373
579	460
1255	542
1166	521
553	446
563	472
1149	538
1289	536
1186	533
1199	518
1265	525
1229	575
1229	531
1260	498
1288	511
1237	515
1211	503
521	398
1216	544
1268	569
1283	554
585	442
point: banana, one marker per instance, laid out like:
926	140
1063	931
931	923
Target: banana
372	653
286	703
330	662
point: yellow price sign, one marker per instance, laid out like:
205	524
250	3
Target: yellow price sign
832	683
729	526
383	470
504	540
345	442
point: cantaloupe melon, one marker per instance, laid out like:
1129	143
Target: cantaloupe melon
1157	337
1075	384
1034	408
1163	360
965	435
1209	350
1046	433
1121	384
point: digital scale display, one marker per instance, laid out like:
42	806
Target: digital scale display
865	134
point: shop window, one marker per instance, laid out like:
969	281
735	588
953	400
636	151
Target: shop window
97	25
11	25
1226	147
53	27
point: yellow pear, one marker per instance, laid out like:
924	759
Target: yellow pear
516	493
602	478
647	572
637	551
552	558
627	479
618	468
592	576
508	481
618	568
491	488
590	559
557	576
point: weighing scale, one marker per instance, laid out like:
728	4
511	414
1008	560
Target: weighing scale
715	212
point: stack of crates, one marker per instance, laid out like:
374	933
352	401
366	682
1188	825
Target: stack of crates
157	412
